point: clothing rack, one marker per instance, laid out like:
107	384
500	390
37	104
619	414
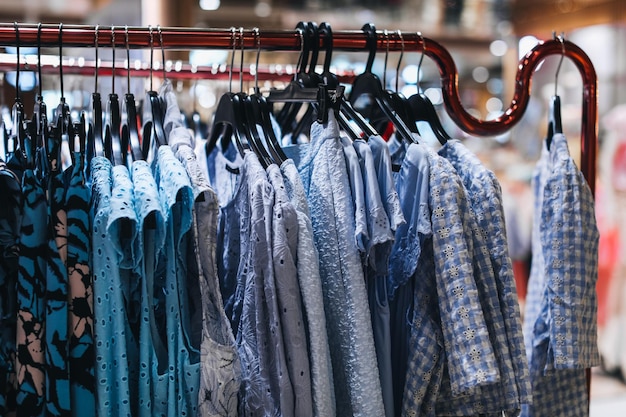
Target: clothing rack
348	40
32	35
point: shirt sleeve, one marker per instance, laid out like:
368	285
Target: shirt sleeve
470	354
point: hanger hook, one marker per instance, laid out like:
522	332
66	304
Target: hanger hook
96	41
400	59
419	65
241	61
61	59
17	75
233	33
386	33
39	58
127	59
150	31
560	38
257	38
113	59
371	43
162	51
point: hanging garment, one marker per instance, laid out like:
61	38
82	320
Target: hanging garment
116	299
323	392
220	368
57	371
284	243
81	337
448	318
324	175
31	287
154	372
560	322
485	197
10	221
375	267
176	276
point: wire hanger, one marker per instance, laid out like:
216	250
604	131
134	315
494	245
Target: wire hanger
555	125
261	111
130	129
422	109
249	116
95	144
18	133
112	136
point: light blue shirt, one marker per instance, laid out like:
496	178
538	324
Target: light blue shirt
560	323
324	176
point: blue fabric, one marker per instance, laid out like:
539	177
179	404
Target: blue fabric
323	392
30	360
81	338
220	368
10	221
386	184
266	384
375	267
176	197
325	180
560	322
233	230
494	276
284	243
113	243
448	318
153	375
357	189
57	314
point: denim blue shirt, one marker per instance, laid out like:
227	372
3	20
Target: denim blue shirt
324	176
560	323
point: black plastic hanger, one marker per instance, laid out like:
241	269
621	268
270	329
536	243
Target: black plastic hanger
422	109
229	117
555	125
248	119
285	116
112	134
40	119
369	97
260	112
95	144
130	129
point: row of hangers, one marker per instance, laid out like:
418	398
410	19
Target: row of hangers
116	140
238	114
